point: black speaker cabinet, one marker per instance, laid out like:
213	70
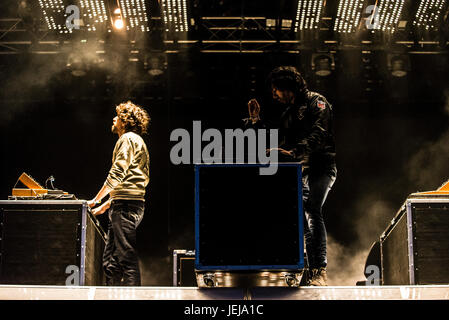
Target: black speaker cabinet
415	246
50	242
248	221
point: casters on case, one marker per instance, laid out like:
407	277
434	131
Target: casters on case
291	280
209	279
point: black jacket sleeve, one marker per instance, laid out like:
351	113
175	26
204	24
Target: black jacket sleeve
320	126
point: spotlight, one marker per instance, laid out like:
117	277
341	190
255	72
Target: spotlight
24	11
76	66
398	65
154	64
117	19
118	24
271	23
397	68
286	24
323	64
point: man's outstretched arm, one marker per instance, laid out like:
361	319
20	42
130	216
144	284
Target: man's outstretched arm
104	191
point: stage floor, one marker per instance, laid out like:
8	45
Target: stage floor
429	292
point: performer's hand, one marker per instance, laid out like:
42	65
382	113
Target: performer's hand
253	110
283	151
101	209
91	203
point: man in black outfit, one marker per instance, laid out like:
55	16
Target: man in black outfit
304	121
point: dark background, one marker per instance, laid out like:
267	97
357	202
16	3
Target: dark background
391	133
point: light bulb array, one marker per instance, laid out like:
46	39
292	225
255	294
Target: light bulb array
388	14
348	15
174	14
308	14
429	11
94	13
135	14
52	9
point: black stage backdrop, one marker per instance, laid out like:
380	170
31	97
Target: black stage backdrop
391	140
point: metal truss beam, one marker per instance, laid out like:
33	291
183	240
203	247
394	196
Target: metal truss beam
215	35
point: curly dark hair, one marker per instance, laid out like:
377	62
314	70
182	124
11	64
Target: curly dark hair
288	78
135	118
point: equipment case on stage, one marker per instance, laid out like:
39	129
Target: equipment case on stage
415	246
184	268
246	222
46	242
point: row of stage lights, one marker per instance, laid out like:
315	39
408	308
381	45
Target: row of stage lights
388	13
308	14
133	14
50	9
428	13
174	14
130	14
94	13
348	16
385	14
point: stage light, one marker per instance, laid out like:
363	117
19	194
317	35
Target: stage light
323	64
25	12
117	11
93	13
54	15
428	14
134	12
398	69
118	24
76	65
308	14
348	15
398	65
271	23
286	24
175	15
154	64
388	13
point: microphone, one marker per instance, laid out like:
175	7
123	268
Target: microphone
51	179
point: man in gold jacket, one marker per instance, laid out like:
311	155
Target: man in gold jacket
125	185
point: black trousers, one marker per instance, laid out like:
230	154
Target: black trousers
120	262
316	186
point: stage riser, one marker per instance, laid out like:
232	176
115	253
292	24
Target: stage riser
171	293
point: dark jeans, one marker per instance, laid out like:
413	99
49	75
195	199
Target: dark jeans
316	187
120	262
